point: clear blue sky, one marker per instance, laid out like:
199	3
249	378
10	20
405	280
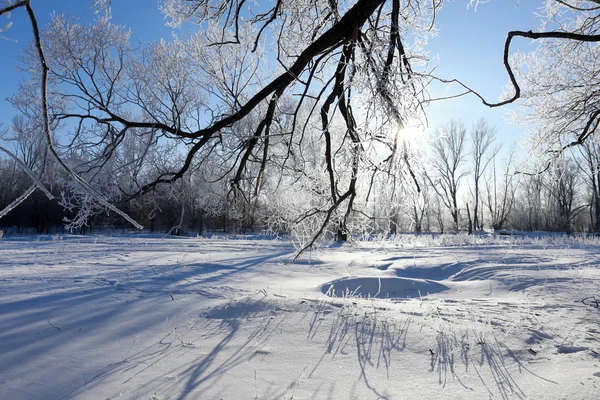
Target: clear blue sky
469	46
142	16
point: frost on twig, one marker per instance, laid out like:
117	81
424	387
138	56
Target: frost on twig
81	205
101	5
85	202
15	203
38	156
34	177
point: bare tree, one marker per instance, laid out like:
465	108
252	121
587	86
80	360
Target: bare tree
40	103
438	213
501	191
22	145
590	152
447	159
563	188
420	206
482	153
532	191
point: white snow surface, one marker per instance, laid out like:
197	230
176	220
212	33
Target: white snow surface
148	317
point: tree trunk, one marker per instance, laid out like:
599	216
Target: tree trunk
341	234
470	226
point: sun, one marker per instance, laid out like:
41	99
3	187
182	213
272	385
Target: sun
412	134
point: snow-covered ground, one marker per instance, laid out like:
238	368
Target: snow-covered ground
231	318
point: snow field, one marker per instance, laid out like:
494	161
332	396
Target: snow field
409	318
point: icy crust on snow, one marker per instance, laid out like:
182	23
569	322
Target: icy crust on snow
126	317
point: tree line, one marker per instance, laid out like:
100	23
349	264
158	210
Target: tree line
468	183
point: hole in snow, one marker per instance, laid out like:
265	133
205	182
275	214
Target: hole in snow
570	349
384	287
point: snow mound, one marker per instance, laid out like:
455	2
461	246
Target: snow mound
381	287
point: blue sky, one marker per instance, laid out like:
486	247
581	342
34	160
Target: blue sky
469	47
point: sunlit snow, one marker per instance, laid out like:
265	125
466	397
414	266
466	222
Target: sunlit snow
445	317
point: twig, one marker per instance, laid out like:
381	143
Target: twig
591	301
52	326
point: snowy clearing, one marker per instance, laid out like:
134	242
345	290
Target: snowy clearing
231	318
